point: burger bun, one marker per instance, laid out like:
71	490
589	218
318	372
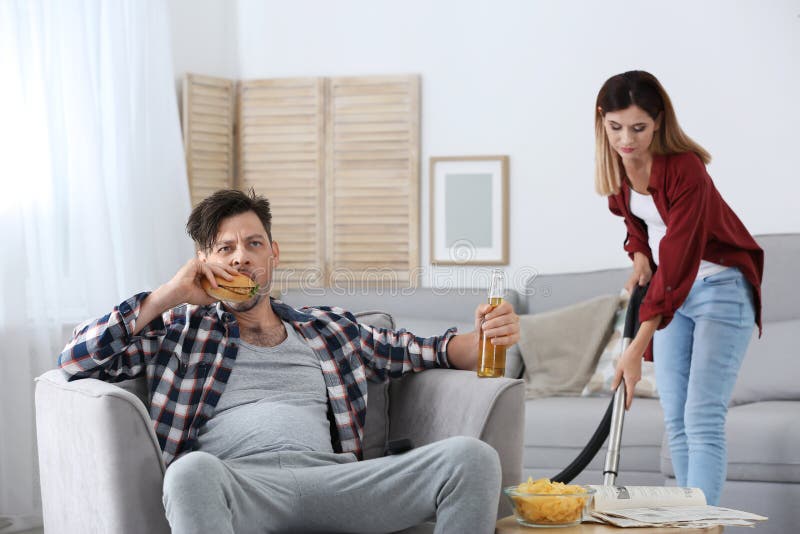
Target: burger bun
240	289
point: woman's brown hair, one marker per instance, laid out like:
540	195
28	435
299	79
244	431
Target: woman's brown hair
642	89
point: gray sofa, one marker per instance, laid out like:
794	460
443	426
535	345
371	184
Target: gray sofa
763	427
764	420
101	469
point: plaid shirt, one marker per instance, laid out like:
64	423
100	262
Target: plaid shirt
188	353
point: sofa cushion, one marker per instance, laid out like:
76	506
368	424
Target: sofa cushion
515	367
771	367
423	327
376	426
137	386
762	443
557	429
377	319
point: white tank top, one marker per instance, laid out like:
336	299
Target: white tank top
643	207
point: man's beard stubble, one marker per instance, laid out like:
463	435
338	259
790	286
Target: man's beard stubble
244	306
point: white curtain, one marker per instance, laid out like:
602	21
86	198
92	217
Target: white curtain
93	191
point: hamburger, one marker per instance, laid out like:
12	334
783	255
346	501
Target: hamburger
240	289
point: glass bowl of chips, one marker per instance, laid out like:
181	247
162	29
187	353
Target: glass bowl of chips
542	503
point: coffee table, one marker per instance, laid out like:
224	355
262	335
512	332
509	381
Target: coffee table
509	525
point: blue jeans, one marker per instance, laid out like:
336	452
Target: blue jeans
697	359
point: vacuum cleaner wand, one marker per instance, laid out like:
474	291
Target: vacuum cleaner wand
612	421
611	468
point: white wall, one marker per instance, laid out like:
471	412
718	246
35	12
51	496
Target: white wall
520	77
204	38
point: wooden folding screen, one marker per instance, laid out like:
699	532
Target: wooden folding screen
339	160
208	112
372	178
281	138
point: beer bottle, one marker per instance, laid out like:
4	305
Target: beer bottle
492	358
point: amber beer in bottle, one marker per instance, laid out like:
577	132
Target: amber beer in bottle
492	358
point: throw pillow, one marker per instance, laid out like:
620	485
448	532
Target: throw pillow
600	382
560	347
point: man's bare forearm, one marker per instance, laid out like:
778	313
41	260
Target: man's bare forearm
462	351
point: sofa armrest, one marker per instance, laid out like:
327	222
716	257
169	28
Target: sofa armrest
100	465
440	403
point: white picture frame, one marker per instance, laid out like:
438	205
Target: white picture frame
469	210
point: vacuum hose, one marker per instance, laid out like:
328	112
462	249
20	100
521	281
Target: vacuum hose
615	412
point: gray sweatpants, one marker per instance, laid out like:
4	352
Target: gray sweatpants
455	481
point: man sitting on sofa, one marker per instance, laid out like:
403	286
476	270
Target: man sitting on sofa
259	408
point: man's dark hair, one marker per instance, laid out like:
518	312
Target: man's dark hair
203	223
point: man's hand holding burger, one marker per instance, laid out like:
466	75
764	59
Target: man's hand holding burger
185	286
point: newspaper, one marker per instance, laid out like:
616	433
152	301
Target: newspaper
650	506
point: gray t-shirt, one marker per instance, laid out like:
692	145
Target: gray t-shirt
275	400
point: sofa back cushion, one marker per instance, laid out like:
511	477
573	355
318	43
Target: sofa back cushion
780	291
549	292
450	306
771	367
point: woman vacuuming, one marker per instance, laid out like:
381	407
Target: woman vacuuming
703	266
